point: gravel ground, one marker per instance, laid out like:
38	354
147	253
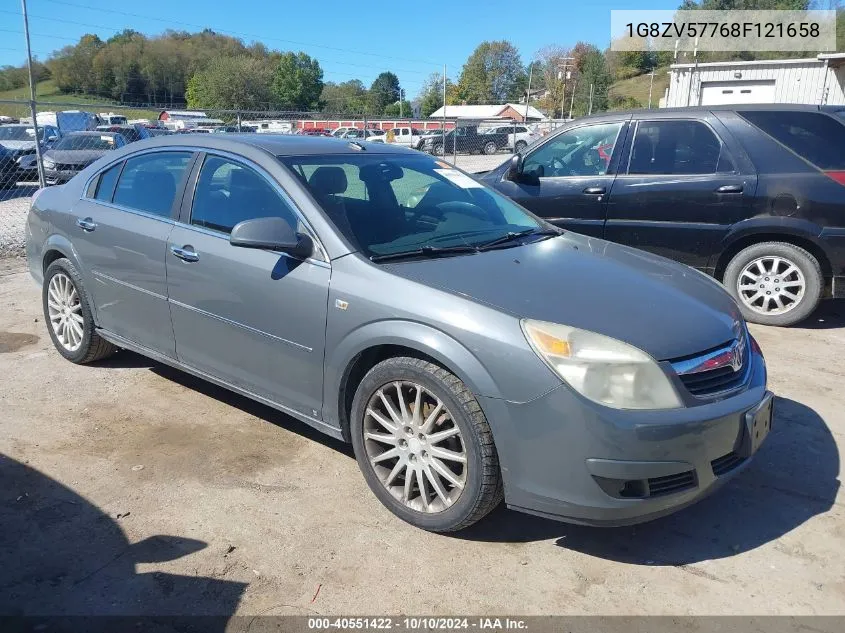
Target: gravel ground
13	212
129	487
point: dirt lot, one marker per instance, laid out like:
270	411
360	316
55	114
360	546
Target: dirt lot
127	487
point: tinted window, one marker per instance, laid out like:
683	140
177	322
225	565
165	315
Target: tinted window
228	193
675	147
96	142
149	182
815	137
584	151
409	201
105	186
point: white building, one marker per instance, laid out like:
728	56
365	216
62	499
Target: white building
186	119
506	111
816	80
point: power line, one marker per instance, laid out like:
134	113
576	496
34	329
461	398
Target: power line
256	37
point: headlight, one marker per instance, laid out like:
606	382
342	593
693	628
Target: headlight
49	163
601	368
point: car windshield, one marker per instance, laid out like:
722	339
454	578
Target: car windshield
386	204
19	133
86	142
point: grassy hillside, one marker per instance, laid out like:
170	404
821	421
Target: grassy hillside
637	87
46	93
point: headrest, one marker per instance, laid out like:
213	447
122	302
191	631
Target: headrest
328	180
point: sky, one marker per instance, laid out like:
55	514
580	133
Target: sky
350	39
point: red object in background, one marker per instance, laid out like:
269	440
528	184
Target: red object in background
605	152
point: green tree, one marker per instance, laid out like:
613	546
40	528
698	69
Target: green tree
348	97
431	94
72	67
240	82
592	71
384	91
493	73
393	109
298	82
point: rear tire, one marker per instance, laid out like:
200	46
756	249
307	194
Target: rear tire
68	315
437	149
775	283
520	146
406	481
490	148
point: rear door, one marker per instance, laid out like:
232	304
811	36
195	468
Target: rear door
681	189
120	233
576	172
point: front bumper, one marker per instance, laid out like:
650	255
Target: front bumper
569	459
59	176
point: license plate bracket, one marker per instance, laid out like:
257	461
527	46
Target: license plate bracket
758	423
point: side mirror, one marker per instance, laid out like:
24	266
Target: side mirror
514	169
52	137
271	233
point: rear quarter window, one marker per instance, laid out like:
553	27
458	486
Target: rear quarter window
815	137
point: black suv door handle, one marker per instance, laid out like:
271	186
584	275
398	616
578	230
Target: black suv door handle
87	224
186	253
595	191
729	189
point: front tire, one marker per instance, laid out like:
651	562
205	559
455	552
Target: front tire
775	283
424	445
67	313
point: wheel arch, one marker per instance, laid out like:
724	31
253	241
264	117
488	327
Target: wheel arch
797	236
365	347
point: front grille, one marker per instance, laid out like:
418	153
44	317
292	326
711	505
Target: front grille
726	463
716	371
669	484
68	167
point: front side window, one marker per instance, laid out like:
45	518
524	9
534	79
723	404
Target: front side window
408	202
584	151
149	182
676	147
229	192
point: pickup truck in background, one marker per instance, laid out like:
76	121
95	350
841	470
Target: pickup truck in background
466	139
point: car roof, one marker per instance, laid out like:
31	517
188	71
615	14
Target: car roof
276	144
92	133
670	113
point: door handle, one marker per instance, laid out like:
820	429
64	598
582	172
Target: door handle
729	189
86	225
185	253
595	191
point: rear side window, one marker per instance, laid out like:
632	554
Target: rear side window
815	137
105	186
676	147
149	182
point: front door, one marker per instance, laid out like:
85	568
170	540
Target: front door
574	177
253	318
120	233
680	194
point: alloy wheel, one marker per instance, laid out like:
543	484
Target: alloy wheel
65	312
415	447
771	285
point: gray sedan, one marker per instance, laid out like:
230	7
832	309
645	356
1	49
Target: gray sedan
75	151
469	351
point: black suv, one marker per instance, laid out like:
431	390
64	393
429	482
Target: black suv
752	195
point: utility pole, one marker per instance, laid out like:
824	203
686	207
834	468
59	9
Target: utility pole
650	87
443	129
590	111
32	109
564	75
572	99
528	93
401	92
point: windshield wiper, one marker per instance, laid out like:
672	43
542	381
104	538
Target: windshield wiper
425	251
512	236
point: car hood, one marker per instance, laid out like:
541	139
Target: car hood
75	156
664	308
16	146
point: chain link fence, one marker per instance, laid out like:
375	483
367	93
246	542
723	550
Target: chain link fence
70	136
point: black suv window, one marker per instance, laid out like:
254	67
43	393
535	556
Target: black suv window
105	186
676	147
149	182
814	136
229	192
